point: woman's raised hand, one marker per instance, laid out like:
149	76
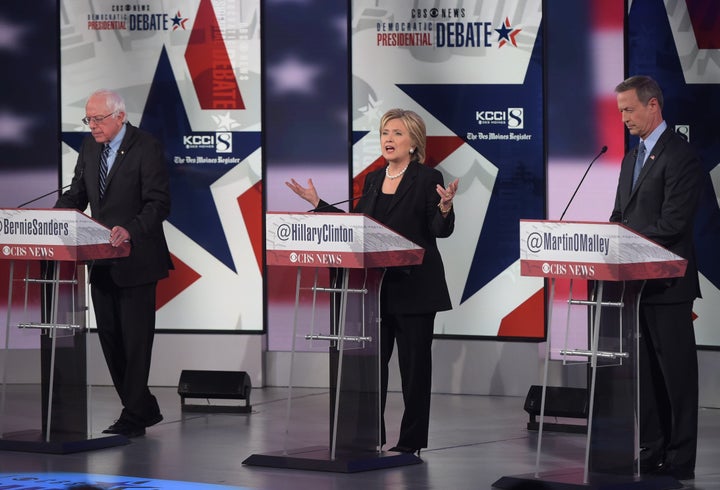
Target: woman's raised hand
308	193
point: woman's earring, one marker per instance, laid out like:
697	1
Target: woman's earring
412	150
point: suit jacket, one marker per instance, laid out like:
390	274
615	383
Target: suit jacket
414	214
662	207
137	197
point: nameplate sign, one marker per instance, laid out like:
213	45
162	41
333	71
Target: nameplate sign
54	234
344	240
597	251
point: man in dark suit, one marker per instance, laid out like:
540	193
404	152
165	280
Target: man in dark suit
122	174
657	195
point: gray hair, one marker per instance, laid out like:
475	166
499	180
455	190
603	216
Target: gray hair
113	101
645	87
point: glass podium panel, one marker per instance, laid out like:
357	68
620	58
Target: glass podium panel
21	400
612	445
344	435
305	428
355	365
350	437
619	271
614	436
44	395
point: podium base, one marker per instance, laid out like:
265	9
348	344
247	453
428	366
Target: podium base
572	479
318	459
33	441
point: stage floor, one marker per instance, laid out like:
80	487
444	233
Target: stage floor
474	441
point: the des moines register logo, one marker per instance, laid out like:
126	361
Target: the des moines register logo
444	28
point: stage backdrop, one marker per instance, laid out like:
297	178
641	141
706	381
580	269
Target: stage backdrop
474	71
189	71
678	44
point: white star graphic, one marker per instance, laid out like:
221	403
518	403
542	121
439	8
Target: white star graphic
293	75
340	25
13	128
225	122
11	36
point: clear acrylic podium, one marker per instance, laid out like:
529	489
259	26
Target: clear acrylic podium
43	252
619	261
357	250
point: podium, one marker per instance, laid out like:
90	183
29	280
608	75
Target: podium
356	249
44	252
619	261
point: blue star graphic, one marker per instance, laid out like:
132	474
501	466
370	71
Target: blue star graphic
519	189
178	21
504	33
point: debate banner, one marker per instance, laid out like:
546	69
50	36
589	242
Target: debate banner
189	71
473	70
685	36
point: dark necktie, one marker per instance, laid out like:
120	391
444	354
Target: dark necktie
103	169
639	160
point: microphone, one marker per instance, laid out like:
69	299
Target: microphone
369	191
44	195
315	210
82	170
603	150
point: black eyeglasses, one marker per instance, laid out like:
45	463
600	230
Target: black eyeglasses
96	119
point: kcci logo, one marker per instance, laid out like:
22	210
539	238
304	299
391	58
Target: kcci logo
513	117
220	141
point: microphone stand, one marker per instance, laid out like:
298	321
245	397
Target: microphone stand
320	208
603	150
44	195
369	191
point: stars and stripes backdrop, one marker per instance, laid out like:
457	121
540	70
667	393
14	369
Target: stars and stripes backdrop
190	74
678	44
306	91
474	72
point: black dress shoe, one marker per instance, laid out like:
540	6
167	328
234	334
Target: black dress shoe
404	449
154	419
650	461
650	467
133	431
116	427
675	472
125	428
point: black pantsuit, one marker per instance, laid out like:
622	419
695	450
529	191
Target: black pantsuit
413	335
410	296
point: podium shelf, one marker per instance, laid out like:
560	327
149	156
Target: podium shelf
589	353
53	326
332	338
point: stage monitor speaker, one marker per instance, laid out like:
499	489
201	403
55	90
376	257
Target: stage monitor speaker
559	402
215	385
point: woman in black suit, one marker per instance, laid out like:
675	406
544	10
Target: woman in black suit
404	196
